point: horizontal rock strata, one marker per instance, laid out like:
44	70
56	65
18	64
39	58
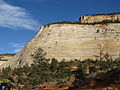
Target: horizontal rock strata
71	41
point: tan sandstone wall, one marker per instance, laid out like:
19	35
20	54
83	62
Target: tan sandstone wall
5	58
71	41
2	62
99	18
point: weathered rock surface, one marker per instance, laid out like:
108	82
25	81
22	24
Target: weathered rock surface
99	18
71	41
5	57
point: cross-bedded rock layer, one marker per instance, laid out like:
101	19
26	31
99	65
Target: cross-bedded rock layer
71	41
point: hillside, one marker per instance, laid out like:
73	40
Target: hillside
71	41
5	57
104	81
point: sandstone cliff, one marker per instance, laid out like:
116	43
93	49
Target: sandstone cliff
100	18
71	41
5	57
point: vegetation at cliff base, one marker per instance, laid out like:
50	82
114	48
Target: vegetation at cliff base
57	73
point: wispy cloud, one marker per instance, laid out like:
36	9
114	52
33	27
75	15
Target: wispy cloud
40	1
17	46
16	17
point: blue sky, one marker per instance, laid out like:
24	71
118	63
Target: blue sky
21	19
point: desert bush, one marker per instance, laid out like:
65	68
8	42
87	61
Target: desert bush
44	71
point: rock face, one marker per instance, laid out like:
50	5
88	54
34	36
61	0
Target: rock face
5	57
99	18
71	41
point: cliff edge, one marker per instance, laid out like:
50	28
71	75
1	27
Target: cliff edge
100	18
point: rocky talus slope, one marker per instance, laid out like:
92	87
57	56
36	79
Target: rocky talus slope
71	41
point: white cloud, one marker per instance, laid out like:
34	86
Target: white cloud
17	46
16	17
16	50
